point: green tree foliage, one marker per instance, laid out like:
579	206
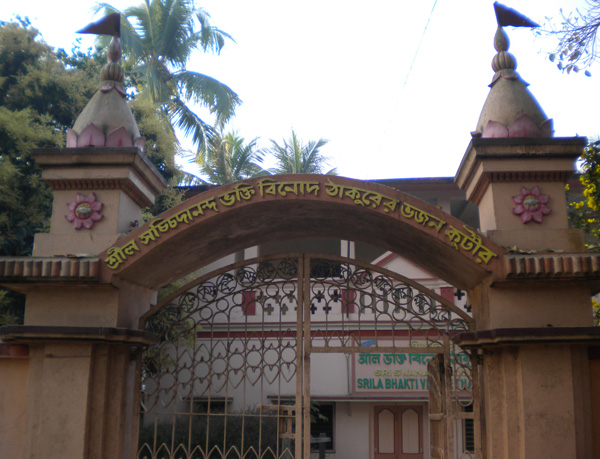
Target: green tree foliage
228	158
158	38
39	98
294	156
584	211
160	146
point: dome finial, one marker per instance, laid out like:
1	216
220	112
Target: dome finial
510	110
506	16
107	121
503	60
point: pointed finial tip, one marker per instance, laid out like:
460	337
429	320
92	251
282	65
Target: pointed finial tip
108	25
506	16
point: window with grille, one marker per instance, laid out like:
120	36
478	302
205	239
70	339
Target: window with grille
469	433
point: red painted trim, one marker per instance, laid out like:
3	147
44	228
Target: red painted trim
249	303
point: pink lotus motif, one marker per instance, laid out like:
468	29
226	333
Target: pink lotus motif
531	205
84	211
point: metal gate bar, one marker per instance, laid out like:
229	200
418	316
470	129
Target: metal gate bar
337	338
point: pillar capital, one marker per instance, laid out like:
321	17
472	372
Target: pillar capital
116	183
518	185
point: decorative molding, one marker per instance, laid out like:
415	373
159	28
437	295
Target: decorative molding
488	178
28	269
125	185
551	266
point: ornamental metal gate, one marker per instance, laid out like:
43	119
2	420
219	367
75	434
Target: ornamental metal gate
230	373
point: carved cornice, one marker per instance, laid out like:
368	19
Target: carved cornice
118	168
125	185
52	269
565	266
520	160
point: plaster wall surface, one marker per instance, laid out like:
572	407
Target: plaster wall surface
134	300
548	410
58	400
569	240
502	204
79	306
539	306
14	375
351	422
78	243
536	401
329	374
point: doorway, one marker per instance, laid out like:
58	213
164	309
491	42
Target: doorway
398	432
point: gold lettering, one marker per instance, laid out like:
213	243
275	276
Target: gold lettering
354	194
115	257
272	187
242	191
149	235
184	216
485	255
269	184
209	204
334	190
372	199
118	255
421	217
390	204
471	243
454	236
313	187
130	248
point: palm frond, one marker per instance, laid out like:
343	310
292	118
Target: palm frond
218	97
211	37
229	158
190	123
295	157
176	31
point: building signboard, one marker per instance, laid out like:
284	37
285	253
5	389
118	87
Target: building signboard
392	373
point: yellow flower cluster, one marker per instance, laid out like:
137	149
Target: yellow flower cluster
596	309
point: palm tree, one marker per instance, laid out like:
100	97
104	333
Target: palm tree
228	158
158	38
296	157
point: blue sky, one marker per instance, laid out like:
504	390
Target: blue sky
340	70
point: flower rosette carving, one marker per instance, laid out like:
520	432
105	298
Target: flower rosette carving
530	205
84	211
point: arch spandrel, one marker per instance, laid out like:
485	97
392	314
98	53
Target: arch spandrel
232	217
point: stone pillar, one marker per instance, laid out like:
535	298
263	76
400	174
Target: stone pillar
534	327
82	371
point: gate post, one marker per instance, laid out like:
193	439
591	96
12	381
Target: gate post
80	335
534	318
